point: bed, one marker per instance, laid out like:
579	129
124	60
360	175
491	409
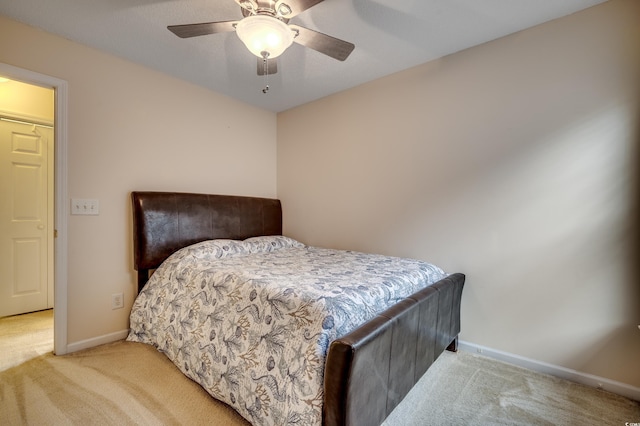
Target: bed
365	372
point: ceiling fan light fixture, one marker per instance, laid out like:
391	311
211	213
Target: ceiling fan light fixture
262	33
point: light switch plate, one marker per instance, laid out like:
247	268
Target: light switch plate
85	206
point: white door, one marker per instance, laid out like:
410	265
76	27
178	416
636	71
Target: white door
26	218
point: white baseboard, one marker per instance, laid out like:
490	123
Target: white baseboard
619	388
97	341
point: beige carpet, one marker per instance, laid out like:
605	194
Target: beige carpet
23	337
127	383
469	389
121	383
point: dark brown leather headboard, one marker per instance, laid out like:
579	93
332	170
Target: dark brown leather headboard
164	222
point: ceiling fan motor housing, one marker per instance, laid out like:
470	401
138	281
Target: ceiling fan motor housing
279	9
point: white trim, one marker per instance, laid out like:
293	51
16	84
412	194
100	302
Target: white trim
97	341
60	190
597	382
25	118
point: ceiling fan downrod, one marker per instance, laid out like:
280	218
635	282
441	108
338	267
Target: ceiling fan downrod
265	56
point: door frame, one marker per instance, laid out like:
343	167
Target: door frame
60	196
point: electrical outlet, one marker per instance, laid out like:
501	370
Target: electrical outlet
117	301
85	206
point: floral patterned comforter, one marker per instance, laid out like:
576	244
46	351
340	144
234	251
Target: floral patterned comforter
251	321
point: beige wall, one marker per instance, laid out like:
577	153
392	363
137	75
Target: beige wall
26	101
514	162
130	128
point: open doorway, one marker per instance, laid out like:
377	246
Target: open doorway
58	207
26	189
26	219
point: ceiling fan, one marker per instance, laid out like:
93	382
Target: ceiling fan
266	31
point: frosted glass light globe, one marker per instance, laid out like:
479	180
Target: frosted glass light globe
262	34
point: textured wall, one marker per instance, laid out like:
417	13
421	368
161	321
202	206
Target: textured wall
514	162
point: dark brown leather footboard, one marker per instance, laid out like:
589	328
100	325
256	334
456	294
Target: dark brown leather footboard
370	370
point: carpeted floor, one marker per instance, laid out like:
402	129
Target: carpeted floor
130	383
122	383
469	389
23	337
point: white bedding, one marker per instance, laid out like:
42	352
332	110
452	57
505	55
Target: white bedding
251	321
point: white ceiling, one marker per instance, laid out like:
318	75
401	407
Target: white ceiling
390	36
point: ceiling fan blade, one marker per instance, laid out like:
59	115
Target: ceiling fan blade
330	46
194	30
272	66
290	8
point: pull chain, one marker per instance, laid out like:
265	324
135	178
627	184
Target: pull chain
265	73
